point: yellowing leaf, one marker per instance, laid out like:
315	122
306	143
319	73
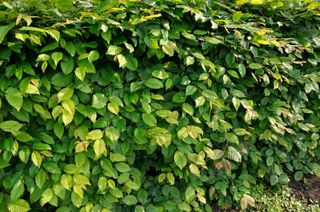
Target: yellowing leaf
194	169
64	94
18	205
114	50
122	61
246	201
94	135
113	108
257	2
36	158
234	154
214	154
47	195
66	181
99	148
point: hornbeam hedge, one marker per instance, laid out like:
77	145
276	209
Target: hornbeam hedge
155	105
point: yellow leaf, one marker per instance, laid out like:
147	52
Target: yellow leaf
194	169
113	108
99	148
257	2
247	200
36	158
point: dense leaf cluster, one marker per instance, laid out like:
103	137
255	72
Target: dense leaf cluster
155	105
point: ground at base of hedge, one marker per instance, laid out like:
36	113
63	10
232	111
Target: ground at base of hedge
309	190
301	195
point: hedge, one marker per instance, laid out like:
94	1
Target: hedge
155	105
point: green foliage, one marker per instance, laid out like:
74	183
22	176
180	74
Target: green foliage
155	105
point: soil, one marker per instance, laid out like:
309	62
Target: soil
310	190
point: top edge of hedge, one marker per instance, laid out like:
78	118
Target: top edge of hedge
155	105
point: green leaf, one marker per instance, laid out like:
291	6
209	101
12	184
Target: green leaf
237	93
70	48
117	157
93	56
10	126
48	47
54	34
298	175
67	66
116	192
179	97
4	31
14	98
241	132
212	40
273	179
190	194
56	57
232	138
23	137
18	205
149	119
40	178
122	167
76	199
99	101
242	70
102	183
190	89
188	108
153	83
180	159
132	62
106	36
58	130
316	169
230	59
130	200
270	161
255	66
51	167
17	191
152	43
